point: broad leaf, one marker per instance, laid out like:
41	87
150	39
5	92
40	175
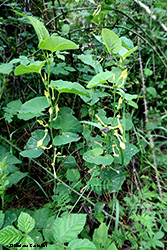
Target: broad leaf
100	78
32	151
125	53
10	235
40	29
87	59
25	222
26	243
67	123
69	87
129	152
65	138
72	175
57	43
112	41
94	156
6	68
67	228
15	177
80	244
41	216
112	180
33	108
12	109
32	68
100	234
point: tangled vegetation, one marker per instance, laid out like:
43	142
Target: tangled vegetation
83	154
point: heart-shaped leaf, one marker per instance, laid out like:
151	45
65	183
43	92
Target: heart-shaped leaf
32	68
69	87
57	43
94	156
33	108
100	78
32	151
65	138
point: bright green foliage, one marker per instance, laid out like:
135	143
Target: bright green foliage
69	87
26	241
80	244
33	108
57	43
100	78
10	235
25	222
40	29
6	68
101	240
32	150
111	41
67	228
32	68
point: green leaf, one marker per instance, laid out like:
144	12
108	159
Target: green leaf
12	109
67	123
69	162
152	91
10	235
6	68
129	152
112	247
40	29
100	78
10	217
87	59
32	68
32	151
33	108
80	244
57	43
67	228
65	28
26	243
41	216
129	97
15	178
65	138
69	87
100	234
113	180
112	41
47	232
2	216
72	175
36	236
133	104
25	222
94	156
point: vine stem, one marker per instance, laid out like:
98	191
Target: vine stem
147	121
59	180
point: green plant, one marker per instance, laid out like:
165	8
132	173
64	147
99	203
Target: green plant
3	181
60	233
